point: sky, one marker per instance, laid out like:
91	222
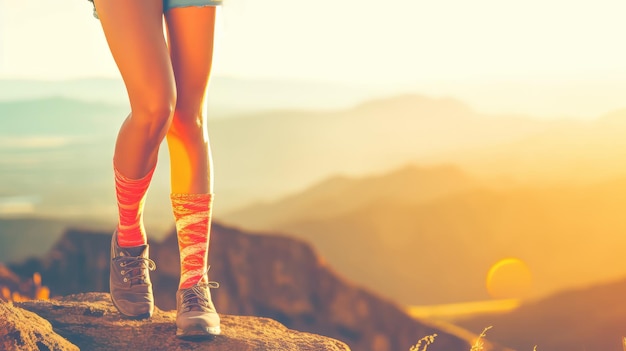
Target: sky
544	57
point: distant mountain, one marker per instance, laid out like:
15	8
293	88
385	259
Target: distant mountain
227	96
590	318
55	155
294	132
25	237
270	154
258	156
60	116
437	247
270	276
341	195
100	90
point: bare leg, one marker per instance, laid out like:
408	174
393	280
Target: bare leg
191	33
134	32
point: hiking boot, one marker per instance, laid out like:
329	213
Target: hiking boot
129	280
196	317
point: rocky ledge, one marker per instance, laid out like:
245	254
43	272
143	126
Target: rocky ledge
91	322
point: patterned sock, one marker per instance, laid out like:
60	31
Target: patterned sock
193	223
131	196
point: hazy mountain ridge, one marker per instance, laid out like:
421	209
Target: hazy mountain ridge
89	90
25	237
589	318
59	116
251	152
439	250
342	194
376	134
227	96
301	148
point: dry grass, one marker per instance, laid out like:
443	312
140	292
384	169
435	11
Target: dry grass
427	340
479	344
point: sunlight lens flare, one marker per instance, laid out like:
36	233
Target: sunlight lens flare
509	278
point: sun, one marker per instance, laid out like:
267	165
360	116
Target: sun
509	278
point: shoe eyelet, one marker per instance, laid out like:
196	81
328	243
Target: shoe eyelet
122	264
125	280
122	272
122	254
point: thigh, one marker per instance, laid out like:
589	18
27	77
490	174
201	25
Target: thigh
191	40
134	33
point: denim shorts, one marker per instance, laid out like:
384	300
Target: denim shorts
170	4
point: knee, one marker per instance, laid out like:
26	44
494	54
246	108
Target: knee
188	123
154	116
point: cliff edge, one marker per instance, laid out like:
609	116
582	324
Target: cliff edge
90	322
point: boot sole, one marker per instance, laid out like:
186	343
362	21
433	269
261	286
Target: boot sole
195	333
138	316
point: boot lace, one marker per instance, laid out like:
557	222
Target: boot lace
134	268
197	297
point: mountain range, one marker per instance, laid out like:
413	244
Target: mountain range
412	197
430	235
227	96
25	237
520	180
66	144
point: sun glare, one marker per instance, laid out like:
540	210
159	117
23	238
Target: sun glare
509	278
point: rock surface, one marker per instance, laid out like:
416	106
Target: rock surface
22	330
91	322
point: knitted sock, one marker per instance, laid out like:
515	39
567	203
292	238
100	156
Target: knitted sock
131	196
193	222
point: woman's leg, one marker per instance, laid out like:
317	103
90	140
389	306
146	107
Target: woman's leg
134	32
191	33
191	37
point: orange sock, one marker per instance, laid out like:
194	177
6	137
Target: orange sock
131	195
193	223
